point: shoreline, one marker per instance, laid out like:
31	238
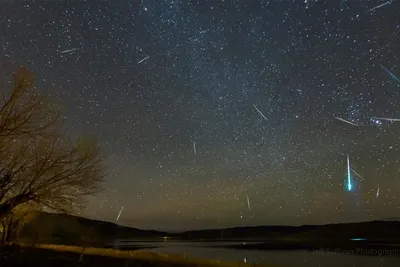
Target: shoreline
59	254
377	247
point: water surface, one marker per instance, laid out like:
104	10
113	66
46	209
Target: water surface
287	258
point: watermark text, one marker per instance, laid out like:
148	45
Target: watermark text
357	251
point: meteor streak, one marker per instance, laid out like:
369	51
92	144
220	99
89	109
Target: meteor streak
377	192
362	178
386	119
68	51
146	58
394	77
348	174
260	112
119	214
194	148
248	202
381	5
346	121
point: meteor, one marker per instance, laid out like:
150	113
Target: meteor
394	77
119	214
362	178
194	148
248	202
386	119
146	58
381	5
348	174
68	51
260	112
346	121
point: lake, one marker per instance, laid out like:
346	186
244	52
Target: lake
286	258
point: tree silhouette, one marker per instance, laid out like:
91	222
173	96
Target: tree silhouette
37	162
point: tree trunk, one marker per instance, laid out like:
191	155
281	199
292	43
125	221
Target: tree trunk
10	204
3	232
7	237
9	232
3	237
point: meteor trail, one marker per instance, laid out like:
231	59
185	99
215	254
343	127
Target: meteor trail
348	174
68	51
394	77
194	148
260	112
386	119
346	121
381	5
362	178
377	192
119	214
248	202
146	58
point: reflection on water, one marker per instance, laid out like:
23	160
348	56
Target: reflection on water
298	258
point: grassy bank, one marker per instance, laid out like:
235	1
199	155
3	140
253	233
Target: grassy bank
60	256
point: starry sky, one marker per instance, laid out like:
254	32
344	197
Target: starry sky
224	113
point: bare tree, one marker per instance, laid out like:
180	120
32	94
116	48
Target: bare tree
37	163
25	111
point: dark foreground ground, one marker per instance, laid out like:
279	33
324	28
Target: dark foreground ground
59	256
18	256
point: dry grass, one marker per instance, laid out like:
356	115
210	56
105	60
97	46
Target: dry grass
59	255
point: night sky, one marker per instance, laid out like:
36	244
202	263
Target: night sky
222	113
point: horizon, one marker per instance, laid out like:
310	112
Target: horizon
176	231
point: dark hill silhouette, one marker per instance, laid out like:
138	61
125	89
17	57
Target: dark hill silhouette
246	232
371	230
71	230
68	229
